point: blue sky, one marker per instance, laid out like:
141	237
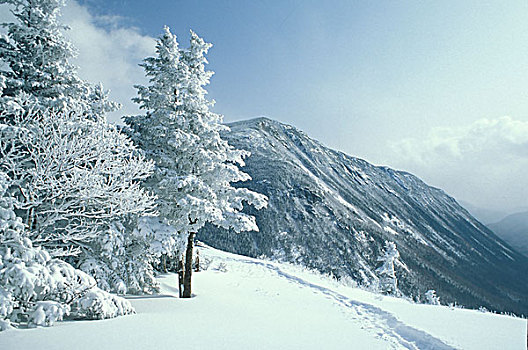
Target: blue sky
422	86
405	83
389	69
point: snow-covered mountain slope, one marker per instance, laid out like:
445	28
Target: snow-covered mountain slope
333	212
514	230
245	303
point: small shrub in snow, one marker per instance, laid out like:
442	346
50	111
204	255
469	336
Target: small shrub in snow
432	298
483	309
455	305
37	290
98	304
205	263
221	267
348	281
47	312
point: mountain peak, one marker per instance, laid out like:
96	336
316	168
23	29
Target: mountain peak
333	213
257	122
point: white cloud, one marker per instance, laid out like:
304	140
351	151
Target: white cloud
109	52
485	163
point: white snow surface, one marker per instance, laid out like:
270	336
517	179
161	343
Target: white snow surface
244	303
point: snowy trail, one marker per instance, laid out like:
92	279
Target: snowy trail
380	321
245	303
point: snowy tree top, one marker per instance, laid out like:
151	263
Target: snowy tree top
194	165
37	58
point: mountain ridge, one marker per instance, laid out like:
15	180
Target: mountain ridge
333	212
514	230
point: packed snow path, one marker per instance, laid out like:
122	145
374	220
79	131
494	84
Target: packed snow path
243	303
377	320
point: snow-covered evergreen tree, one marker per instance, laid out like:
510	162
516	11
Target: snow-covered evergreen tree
76	176
194	165
37	290
386	273
431	297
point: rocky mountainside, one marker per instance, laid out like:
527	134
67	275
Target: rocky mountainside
333	213
514	230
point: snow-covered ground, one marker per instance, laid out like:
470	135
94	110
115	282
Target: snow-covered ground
244	303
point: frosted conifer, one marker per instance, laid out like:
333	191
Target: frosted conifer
386	272
431	297
194	165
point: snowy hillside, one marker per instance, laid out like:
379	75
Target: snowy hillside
333	213
244	303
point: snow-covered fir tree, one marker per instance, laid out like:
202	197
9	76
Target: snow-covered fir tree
75	176
194	165
386	273
431	297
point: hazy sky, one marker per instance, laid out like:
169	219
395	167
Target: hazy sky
437	88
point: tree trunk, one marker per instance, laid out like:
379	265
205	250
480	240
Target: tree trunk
197	262
164	263
188	266
30	219
180	276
